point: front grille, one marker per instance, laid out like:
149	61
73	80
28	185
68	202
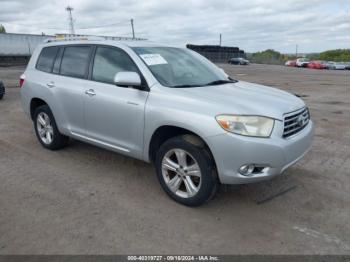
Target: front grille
295	122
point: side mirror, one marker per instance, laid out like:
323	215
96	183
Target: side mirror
128	79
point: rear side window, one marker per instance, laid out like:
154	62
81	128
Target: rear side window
108	62
75	61
47	58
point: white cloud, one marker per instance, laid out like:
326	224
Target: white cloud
252	25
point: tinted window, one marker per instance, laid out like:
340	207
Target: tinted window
108	62
75	61
46	59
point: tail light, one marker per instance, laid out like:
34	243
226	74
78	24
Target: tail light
21	80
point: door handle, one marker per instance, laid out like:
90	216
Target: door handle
90	92
51	84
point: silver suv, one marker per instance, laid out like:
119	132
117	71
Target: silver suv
165	105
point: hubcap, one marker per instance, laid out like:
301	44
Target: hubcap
44	128
181	173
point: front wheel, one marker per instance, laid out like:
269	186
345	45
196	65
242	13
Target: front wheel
186	172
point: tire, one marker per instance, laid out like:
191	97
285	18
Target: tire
2	90
205	181
55	140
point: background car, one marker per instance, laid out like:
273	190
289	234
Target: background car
238	61
302	62
2	90
291	63
317	64
337	65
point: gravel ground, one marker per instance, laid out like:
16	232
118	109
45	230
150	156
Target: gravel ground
86	200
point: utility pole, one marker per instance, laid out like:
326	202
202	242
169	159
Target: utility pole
220	39
296	52
132	28
70	18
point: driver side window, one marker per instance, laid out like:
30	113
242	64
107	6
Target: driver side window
110	61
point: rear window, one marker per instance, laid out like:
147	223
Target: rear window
46	59
75	61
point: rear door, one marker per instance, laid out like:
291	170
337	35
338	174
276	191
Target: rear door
114	115
71	67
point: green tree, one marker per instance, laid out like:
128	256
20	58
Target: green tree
268	56
2	29
338	55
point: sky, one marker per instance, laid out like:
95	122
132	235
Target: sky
252	25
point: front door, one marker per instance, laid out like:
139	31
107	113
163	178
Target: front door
114	115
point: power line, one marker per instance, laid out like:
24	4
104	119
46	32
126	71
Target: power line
101	26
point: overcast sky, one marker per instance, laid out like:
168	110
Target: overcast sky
252	25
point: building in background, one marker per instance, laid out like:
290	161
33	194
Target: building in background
217	54
16	49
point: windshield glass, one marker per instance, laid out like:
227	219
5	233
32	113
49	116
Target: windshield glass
179	67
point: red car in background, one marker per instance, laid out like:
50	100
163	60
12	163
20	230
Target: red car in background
317	65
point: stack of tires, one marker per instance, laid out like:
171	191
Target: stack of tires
2	90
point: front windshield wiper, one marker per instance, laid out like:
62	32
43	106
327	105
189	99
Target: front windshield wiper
220	82
216	82
183	86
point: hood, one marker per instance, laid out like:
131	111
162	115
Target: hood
244	98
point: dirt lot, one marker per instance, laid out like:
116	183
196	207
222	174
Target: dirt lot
86	200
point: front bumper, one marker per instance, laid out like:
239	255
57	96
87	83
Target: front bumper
231	151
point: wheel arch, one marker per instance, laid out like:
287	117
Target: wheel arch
34	104
165	132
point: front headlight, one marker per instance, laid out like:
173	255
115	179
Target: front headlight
258	126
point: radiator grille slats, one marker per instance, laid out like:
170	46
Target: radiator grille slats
295	122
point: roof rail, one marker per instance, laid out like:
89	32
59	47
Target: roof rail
70	37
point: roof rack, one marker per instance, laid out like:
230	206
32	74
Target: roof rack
71	37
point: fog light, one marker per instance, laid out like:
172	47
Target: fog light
252	169
246	170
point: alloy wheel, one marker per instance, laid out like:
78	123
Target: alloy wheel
44	128
181	173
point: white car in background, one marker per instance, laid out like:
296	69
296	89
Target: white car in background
302	62
337	65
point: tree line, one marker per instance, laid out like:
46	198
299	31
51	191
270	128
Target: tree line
271	56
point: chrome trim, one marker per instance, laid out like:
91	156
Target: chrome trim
100	142
295	121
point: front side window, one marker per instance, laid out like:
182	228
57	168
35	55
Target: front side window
110	61
178	67
46	59
75	61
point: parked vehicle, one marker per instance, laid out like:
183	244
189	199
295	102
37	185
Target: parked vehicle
302	62
337	65
292	63
317	65
165	105
238	61
2	90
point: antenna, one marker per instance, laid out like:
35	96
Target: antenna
71	21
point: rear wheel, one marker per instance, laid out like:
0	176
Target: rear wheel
46	129
186	172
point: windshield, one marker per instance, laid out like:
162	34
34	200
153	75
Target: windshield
179	67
